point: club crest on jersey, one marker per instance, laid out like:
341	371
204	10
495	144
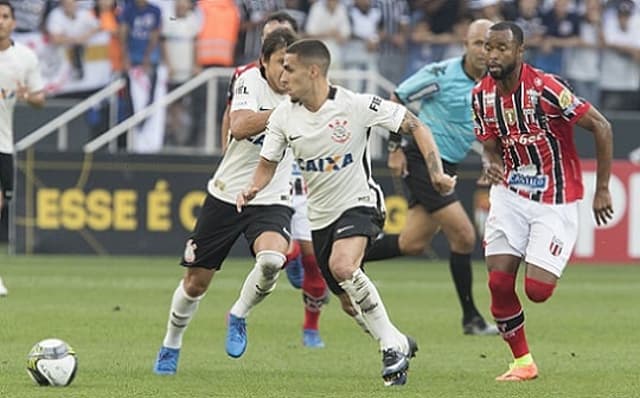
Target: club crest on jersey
325	164
555	247
340	133
510	116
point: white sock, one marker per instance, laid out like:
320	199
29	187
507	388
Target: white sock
183	307
259	283
364	294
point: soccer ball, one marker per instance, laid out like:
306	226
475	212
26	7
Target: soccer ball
52	362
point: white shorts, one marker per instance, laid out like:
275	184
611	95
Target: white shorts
300	227
543	234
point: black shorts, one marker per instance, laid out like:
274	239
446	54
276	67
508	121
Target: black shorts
421	191
219	225
6	176
358	221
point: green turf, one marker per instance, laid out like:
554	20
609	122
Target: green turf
113	311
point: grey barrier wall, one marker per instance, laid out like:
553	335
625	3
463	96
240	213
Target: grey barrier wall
71	202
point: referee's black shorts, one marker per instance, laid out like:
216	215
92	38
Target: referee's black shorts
219	225
421	191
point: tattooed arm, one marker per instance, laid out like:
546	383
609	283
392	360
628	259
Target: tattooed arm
442	182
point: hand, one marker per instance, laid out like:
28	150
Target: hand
22	92
444	183
493	173
397	162
602	209
245	197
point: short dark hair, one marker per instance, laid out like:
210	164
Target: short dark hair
277	40
282	16
11	9
312	51
518	35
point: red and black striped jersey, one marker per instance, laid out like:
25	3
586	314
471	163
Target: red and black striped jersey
237	72
534	125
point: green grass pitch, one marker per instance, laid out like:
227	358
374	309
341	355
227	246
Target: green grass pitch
113	311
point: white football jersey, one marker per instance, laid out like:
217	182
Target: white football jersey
17	64
331	147
235	172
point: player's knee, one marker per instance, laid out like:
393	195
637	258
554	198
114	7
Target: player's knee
538	291
464	241
501	283
270	263
412	247
342	268
194	286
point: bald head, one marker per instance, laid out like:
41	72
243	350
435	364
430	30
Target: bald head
478	28
475	59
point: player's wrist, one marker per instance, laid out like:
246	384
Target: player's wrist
395	142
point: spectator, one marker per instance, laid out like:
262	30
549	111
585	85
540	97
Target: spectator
31	15
486	9
217	39
562	28
71	28
582	66
360	52
252	16
179	31
140	24
432	31
106	11
329	21
394	34
529	19
295	9
620	74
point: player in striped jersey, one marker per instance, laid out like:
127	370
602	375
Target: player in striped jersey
443	90
525	118
328	129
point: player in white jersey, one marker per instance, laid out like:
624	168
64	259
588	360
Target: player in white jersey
20	80
328	130
265	225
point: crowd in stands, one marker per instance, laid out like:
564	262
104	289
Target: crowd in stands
595	44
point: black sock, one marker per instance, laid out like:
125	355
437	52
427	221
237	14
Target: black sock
383	248
460	267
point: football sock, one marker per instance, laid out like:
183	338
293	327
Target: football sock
183	307
383	248
524	360
365	295
259	283
460	267
294	253
314	292
507	311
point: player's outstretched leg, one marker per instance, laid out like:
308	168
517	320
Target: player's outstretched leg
396	347
183	308
507	310
259	284
314	295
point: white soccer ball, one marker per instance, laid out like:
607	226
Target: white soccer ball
52	362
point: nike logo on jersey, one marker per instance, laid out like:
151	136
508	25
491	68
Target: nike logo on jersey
342	229
294	137
264	109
